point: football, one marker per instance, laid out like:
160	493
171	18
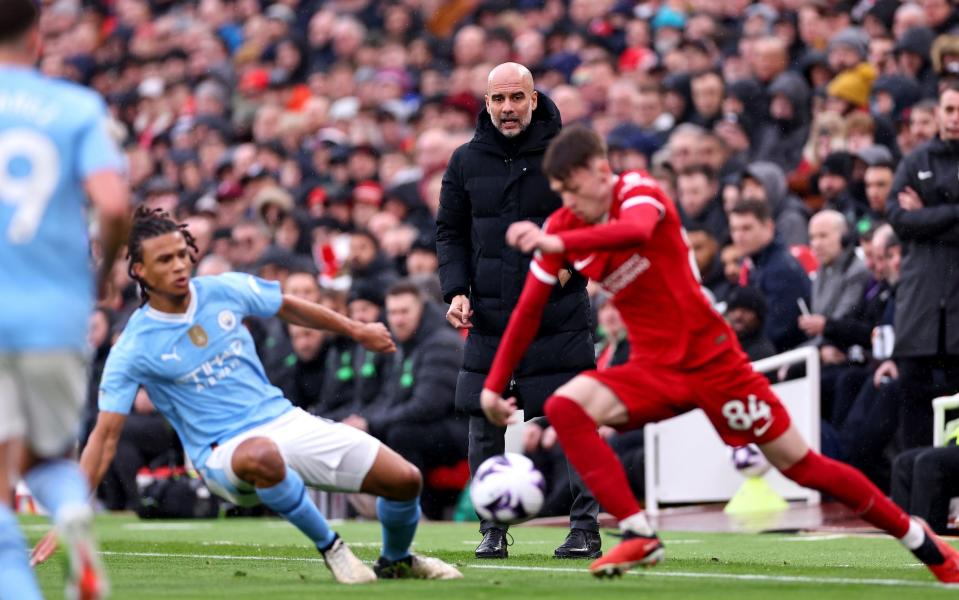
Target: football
507	489
749	460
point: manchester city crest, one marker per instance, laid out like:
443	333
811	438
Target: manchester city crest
226	319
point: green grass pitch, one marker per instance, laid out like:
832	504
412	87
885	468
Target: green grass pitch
268	559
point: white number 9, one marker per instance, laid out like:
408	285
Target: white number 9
30	193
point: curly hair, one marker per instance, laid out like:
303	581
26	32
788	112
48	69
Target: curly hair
150	223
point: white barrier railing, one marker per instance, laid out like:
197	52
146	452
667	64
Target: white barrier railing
939	408
687	462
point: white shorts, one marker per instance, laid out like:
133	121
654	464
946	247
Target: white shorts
42	394
327	455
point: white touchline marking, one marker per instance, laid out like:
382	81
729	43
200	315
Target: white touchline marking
819	538
678	574
210	556
249	545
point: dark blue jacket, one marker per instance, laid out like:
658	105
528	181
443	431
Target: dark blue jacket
782	281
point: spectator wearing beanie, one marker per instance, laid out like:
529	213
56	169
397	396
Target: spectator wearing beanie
847	49
850	89
367	201
746	313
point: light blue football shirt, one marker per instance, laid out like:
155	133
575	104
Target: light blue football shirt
200	368
52	137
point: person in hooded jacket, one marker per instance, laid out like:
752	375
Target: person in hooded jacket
491	182
913	57
781	141
788	211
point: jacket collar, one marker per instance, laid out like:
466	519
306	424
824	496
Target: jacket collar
940	146
764	255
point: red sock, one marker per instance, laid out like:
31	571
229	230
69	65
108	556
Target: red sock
591	456
850	487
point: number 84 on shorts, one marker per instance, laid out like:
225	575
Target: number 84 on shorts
752	414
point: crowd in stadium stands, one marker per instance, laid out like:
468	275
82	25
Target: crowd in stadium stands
806	142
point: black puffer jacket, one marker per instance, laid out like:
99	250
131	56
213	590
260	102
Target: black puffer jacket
490	183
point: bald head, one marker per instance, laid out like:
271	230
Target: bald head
826	229
831	218
510	73
510	98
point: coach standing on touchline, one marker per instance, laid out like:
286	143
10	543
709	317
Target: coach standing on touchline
491	182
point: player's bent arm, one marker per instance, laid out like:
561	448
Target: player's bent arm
522	328
109	194
373	336
308	314
635	226
102	446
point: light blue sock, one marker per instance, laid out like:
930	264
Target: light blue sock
398	520
16	577
57	484
288	498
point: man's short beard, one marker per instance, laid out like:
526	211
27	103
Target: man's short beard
523	125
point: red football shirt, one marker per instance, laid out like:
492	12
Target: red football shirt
641	256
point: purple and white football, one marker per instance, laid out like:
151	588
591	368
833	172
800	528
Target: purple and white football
749	460
507	489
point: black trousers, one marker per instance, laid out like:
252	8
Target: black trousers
869	427
145	439
924	480
429	445
923	378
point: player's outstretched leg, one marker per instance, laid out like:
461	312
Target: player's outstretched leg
604	475
398	484
61	487
853	489
258	461
15	572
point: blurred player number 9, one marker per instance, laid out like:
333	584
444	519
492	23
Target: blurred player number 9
29	167
743	415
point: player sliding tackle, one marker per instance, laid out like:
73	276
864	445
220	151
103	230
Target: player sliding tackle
625	233
188	347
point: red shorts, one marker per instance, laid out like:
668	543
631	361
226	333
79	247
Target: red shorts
737	400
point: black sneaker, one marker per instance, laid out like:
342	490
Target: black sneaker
393	569
580	543
493	544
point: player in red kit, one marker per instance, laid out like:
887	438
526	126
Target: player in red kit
625	233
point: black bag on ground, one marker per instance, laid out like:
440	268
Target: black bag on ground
173	494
